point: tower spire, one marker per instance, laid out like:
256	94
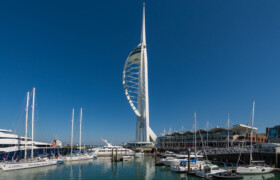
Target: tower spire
143	35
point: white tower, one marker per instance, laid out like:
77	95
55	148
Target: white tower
135	82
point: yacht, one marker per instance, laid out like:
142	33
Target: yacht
209	171
108	149
139	153
195	164
127	157
180	157
32	162
253	167
80	156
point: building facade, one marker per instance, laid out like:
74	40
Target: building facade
238	135
273	135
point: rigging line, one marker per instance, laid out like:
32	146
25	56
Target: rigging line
21	115
203	145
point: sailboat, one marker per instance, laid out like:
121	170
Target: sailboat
196	162
259	168
79	156
30	163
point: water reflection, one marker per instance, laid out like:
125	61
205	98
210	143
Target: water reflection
27	174
104	169
260	177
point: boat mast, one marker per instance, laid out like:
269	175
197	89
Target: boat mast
32	122
228	131
251	150
195	134
72	131
26	122
81	116
207	132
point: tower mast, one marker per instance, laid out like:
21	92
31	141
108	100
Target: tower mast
145	78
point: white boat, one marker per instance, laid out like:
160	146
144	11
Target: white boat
31	163
253	168
77	157
180	163
127	157
108	149
209	170
174	159
195	165
139	153
167	161
180	157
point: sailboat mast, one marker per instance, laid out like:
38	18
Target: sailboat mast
207	124
32	122
81	117
228	131
72	131
26	122
195	134
251	150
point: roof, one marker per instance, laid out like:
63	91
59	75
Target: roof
237	127
240	127
217	128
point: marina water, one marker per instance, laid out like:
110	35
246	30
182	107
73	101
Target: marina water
103	169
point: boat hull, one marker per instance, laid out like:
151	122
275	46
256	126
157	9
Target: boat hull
139	155
16	166
254	170
79	158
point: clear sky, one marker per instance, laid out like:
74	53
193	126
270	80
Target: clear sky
212	57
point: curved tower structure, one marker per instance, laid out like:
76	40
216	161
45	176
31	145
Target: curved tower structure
135	82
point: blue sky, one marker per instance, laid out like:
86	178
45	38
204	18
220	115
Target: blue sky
212	57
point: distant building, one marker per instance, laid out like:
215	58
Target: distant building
273	135
216	137
56	143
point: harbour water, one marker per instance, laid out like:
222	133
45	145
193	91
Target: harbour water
103	169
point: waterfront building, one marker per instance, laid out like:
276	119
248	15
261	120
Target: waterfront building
217	137
56	143
135	82
273	134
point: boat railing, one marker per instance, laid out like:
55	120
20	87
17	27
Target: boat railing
237	150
